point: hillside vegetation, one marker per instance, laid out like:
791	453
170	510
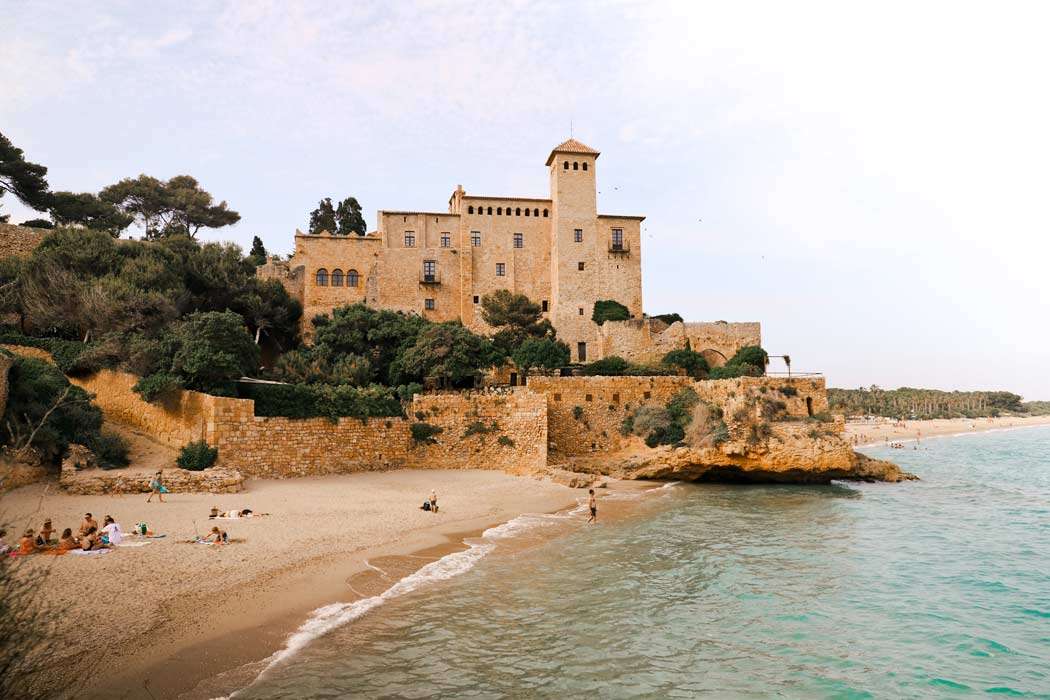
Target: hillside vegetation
923	404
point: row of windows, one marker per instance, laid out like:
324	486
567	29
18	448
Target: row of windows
519	239
322	277
575	165
501	212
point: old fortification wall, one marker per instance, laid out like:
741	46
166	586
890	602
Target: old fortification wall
647	341
281	447
19	240
604	403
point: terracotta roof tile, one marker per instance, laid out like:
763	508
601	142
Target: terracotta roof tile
572	146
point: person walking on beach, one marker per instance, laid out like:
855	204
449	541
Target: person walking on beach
156	487
593	503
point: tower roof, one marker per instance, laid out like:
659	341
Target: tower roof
572	146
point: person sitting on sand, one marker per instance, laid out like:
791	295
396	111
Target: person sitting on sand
90	541
111	532
67	542
215	513
43	538
4	546
88	524
27	545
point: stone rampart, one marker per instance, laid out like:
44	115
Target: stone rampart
94	482
19	240
646	341
585	413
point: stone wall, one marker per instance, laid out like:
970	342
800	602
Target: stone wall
5	367
604	403
96	482
282	447
647	341
19	240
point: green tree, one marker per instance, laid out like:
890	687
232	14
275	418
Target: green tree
38	223
87	210
258	252
667	318
609	310
691	361
445	353
214	350
516	318
26	181
540	352
349	219
177	207
323	217
269	310
378	335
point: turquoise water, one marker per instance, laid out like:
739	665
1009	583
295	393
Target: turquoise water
939	588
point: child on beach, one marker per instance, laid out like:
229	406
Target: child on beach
156	487
593	504
216	536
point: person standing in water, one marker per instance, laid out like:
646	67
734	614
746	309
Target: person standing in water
593	503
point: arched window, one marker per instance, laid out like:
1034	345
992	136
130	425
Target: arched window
584	166
490	211
535	212
544	213
527	212
322	278
351	278
517	212
470	210
499	211
575	165
337	278
508	211
565	165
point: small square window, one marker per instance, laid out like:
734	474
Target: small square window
543	305
577	235
501	269
616	398
410	239
476	299
589	397
475	238
581	311
557	397
519	240
579	266
446	240
647	395
428	304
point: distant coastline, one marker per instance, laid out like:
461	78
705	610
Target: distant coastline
877	431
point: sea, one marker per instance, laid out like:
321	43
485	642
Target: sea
926	589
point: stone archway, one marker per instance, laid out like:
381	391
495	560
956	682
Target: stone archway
713	357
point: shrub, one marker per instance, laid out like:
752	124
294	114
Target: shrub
609	310
505	441
577	412
479	428
405	392
111	450
322	400
157	386
611	366
64	352
423	433
771	410
627	425
668	318
669	435
680	407
789	391
823	417
758	433
197	456
692	362
540	352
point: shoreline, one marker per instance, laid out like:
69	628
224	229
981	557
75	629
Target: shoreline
175	614
879	432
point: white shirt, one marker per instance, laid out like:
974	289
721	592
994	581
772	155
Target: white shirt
115	535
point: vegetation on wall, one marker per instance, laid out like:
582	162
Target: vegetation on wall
907	402
691	362
323	400
748	361
46	413
609	310
667	318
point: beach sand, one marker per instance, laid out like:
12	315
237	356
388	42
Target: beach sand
879	431
174	612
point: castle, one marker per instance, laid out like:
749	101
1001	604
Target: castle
558	251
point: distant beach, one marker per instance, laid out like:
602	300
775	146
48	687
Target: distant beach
176	612
878	431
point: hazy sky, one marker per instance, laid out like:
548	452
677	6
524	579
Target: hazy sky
867	181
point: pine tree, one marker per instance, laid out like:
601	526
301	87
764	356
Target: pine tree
323	217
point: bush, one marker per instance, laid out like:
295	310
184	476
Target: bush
423	433
505	441
157	386
609	310
669	435
577	412
680	407
322	400
789	391
64	352
197	456
758	433
479	428
611	366
694	364
111	450
734	371
668	318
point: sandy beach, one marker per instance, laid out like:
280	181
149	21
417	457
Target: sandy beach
879	431
174	612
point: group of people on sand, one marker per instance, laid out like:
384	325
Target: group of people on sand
431	503
89	537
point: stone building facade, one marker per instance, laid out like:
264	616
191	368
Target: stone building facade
558	251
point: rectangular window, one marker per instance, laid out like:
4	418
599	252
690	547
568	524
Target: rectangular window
581	311
617	239
446	240
588	397
476	299
410	239
577	235
475	238
519	240
544	305
429	271
501	269
579	266
581	353
428	304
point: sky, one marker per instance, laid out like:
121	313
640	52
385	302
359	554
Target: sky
867	181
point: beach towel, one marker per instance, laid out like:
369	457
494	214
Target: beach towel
132	544
93	552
